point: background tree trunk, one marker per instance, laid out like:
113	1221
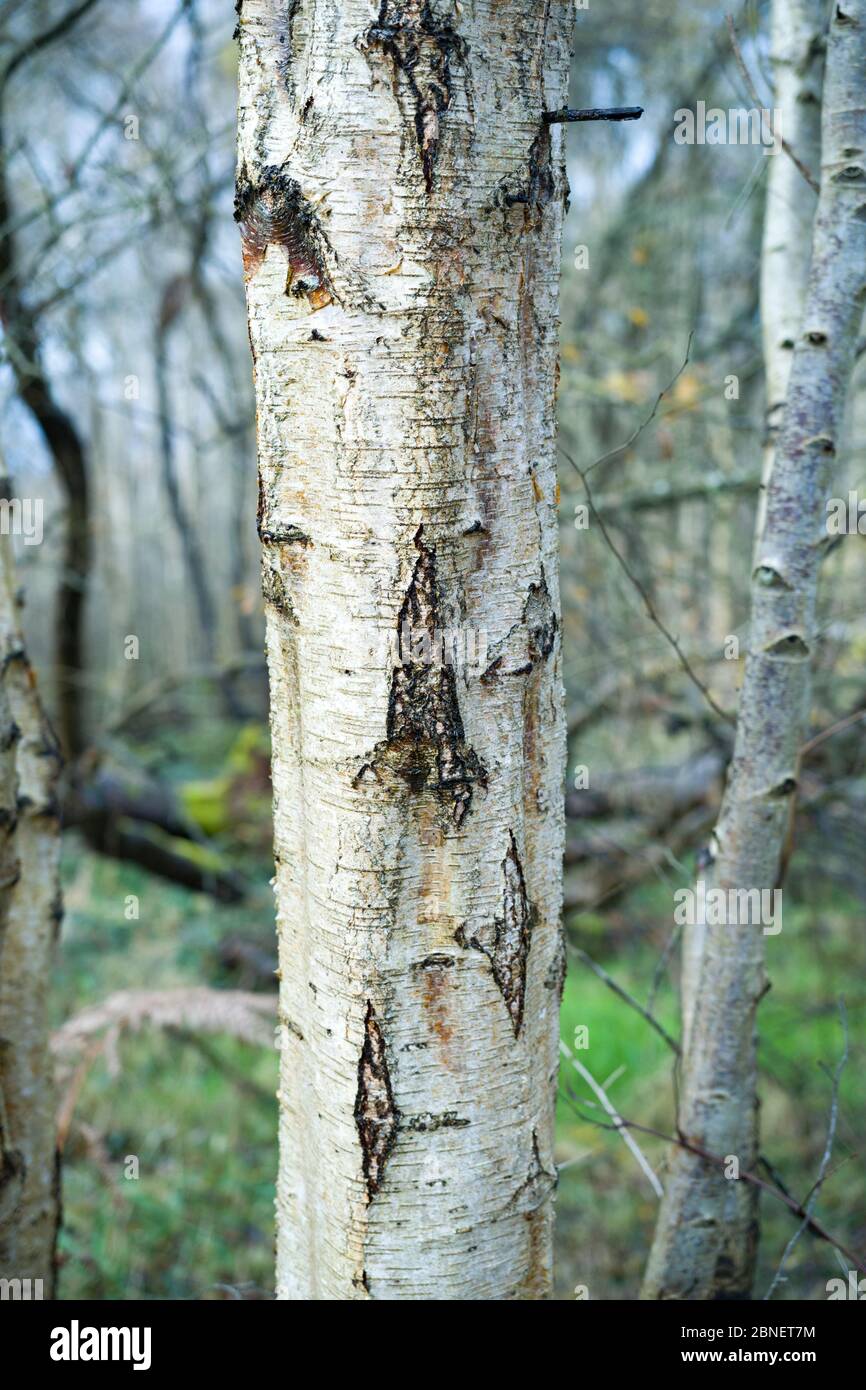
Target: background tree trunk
797	57
30	909
706	1237
400	200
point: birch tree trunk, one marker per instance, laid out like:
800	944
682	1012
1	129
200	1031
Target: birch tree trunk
706	1237
400	200
30	912
797	58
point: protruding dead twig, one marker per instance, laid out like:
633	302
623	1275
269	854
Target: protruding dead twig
594	113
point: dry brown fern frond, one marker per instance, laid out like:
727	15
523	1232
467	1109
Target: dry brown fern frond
96	1031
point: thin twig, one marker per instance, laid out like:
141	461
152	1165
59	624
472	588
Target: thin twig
647	601
812	1198
626	997
618	1123
756	100
212	1057
720	1160
662	965
612	453
46	37
833	729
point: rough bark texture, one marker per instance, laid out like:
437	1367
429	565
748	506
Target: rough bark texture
706	1236
29	917
797	58
400	202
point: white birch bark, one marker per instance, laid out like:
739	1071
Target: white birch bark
797	44
29	917
706	1237
400	201
797	59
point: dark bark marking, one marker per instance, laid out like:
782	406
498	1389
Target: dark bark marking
284	535
376	1115
273	210
537	187
274	591
506	944
538	1183
422	48
786	787
791	647
423	1124
530	641
284	37
540	620
555	978
425	737
280	28
770	578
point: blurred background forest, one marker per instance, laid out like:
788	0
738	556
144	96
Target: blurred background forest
123	302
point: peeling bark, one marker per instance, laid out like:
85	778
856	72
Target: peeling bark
407	477
706	1237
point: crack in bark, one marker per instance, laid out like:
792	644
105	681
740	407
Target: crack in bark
287	57
424	730
274	211
421	48
376	1115
507	943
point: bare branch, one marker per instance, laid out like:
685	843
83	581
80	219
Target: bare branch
626	997
618	1122
720	1160
647	601
750	87
40	41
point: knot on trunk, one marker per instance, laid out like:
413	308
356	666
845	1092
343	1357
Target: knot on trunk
274	211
